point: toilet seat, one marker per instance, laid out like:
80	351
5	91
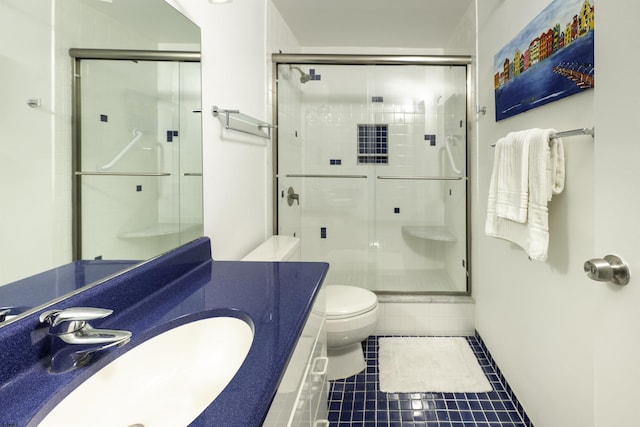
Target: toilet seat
348	301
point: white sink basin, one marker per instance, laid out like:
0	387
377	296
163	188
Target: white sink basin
167	380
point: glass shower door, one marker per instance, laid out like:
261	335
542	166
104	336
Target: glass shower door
377	156
136	138
419	237
331	214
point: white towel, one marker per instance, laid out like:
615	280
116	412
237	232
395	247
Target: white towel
545	178
512	179
557	166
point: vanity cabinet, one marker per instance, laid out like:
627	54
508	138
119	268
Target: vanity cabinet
302	396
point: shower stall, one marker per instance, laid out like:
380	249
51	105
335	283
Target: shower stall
137	152
370	163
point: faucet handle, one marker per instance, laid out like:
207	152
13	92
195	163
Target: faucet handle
76	316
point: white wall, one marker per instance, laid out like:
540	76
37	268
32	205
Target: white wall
27	134
537	319
236	75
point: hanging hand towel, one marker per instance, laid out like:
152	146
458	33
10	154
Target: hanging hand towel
556	166
512	176
545	177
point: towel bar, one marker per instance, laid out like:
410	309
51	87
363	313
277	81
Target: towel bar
573	132
240	122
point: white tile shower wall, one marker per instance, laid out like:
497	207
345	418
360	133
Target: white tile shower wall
455	253
280	39
190	147
290	152
169	114
343	206
180	197
125	92
340	208
426	318
453	110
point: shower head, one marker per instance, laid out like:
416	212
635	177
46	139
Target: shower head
304	77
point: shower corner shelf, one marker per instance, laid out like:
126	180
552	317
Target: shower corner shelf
160	229
429	233
235	120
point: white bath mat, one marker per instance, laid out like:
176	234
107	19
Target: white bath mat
429	364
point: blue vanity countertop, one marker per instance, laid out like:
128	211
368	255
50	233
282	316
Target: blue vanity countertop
276	296
51	284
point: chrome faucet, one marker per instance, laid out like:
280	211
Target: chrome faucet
74	341
10	312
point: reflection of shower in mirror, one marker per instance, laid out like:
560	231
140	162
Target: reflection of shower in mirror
448	142
137	135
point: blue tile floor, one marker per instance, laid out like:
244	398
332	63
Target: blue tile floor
358	402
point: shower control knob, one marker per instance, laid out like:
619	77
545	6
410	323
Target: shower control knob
611	268
291	196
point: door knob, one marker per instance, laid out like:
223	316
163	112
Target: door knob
611	268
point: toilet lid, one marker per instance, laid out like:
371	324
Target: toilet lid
348	301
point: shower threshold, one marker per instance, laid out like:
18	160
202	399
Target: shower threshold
399	282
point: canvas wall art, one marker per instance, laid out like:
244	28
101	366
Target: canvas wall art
550	59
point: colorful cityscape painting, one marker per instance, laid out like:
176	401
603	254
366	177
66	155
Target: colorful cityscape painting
550	59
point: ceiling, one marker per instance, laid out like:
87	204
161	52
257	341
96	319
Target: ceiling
374	23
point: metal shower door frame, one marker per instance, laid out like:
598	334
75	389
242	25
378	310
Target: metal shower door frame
348	59
77	55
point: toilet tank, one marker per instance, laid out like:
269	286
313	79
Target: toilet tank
276	248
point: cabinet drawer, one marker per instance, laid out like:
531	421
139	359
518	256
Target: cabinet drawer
300	391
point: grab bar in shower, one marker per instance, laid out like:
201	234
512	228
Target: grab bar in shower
447	147
424	178
572	132
136	137
235	120
81	173
295	175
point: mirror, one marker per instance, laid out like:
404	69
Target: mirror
125	148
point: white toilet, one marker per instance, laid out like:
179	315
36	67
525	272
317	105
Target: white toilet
352	312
